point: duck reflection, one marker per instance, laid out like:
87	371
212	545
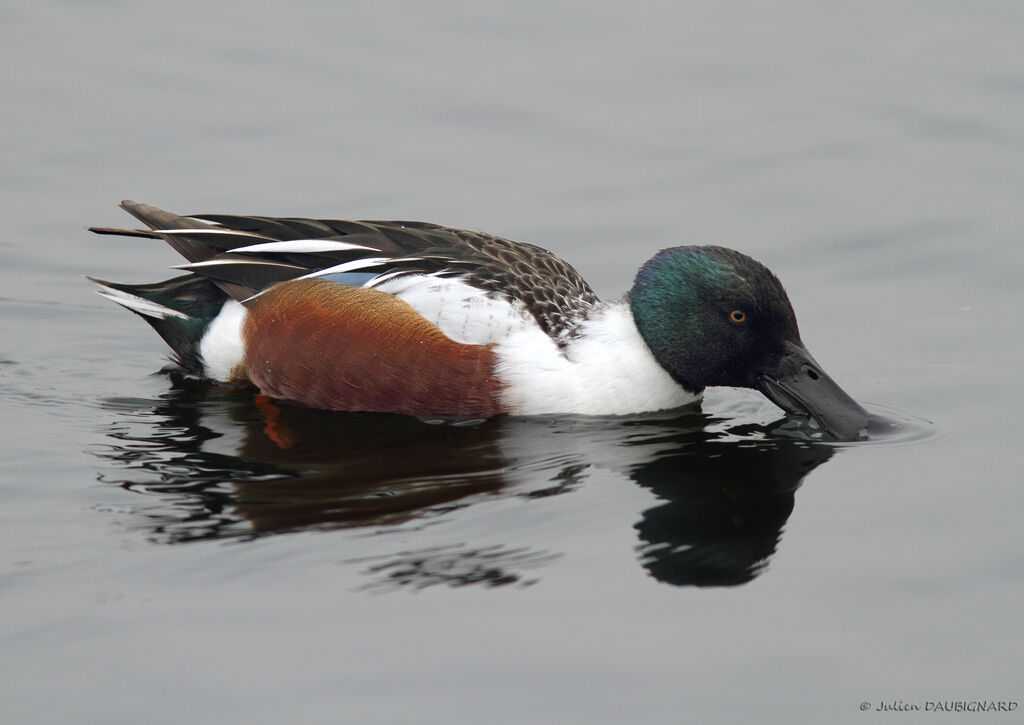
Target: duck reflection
724	510
228	465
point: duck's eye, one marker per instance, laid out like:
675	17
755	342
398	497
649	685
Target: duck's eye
738	316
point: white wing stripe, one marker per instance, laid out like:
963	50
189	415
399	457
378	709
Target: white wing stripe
302	246
347	267
221	262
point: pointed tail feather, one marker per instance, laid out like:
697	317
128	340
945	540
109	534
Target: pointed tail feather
208	241
192	248
156	218
124	232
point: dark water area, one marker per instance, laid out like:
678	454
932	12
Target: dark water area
176	552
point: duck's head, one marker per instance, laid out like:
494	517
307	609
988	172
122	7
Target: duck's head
713	316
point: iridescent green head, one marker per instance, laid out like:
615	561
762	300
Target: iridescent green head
713	316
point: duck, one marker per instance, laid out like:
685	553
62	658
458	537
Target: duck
419	319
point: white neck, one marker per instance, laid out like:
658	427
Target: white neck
607	370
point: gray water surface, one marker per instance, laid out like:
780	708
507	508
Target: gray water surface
175	553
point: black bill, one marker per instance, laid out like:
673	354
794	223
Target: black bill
797	384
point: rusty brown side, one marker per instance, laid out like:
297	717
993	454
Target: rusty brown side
328	345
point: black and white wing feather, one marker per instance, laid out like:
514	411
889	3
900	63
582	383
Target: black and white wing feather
244	255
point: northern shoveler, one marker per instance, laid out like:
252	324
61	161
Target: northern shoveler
420	319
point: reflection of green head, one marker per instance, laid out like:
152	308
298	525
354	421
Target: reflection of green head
682	300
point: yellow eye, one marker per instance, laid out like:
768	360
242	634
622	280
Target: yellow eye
738	316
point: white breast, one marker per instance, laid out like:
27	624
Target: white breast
607	370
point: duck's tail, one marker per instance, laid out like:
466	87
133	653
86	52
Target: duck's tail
179	309
191	249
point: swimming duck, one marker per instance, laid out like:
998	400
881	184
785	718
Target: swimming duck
425	320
